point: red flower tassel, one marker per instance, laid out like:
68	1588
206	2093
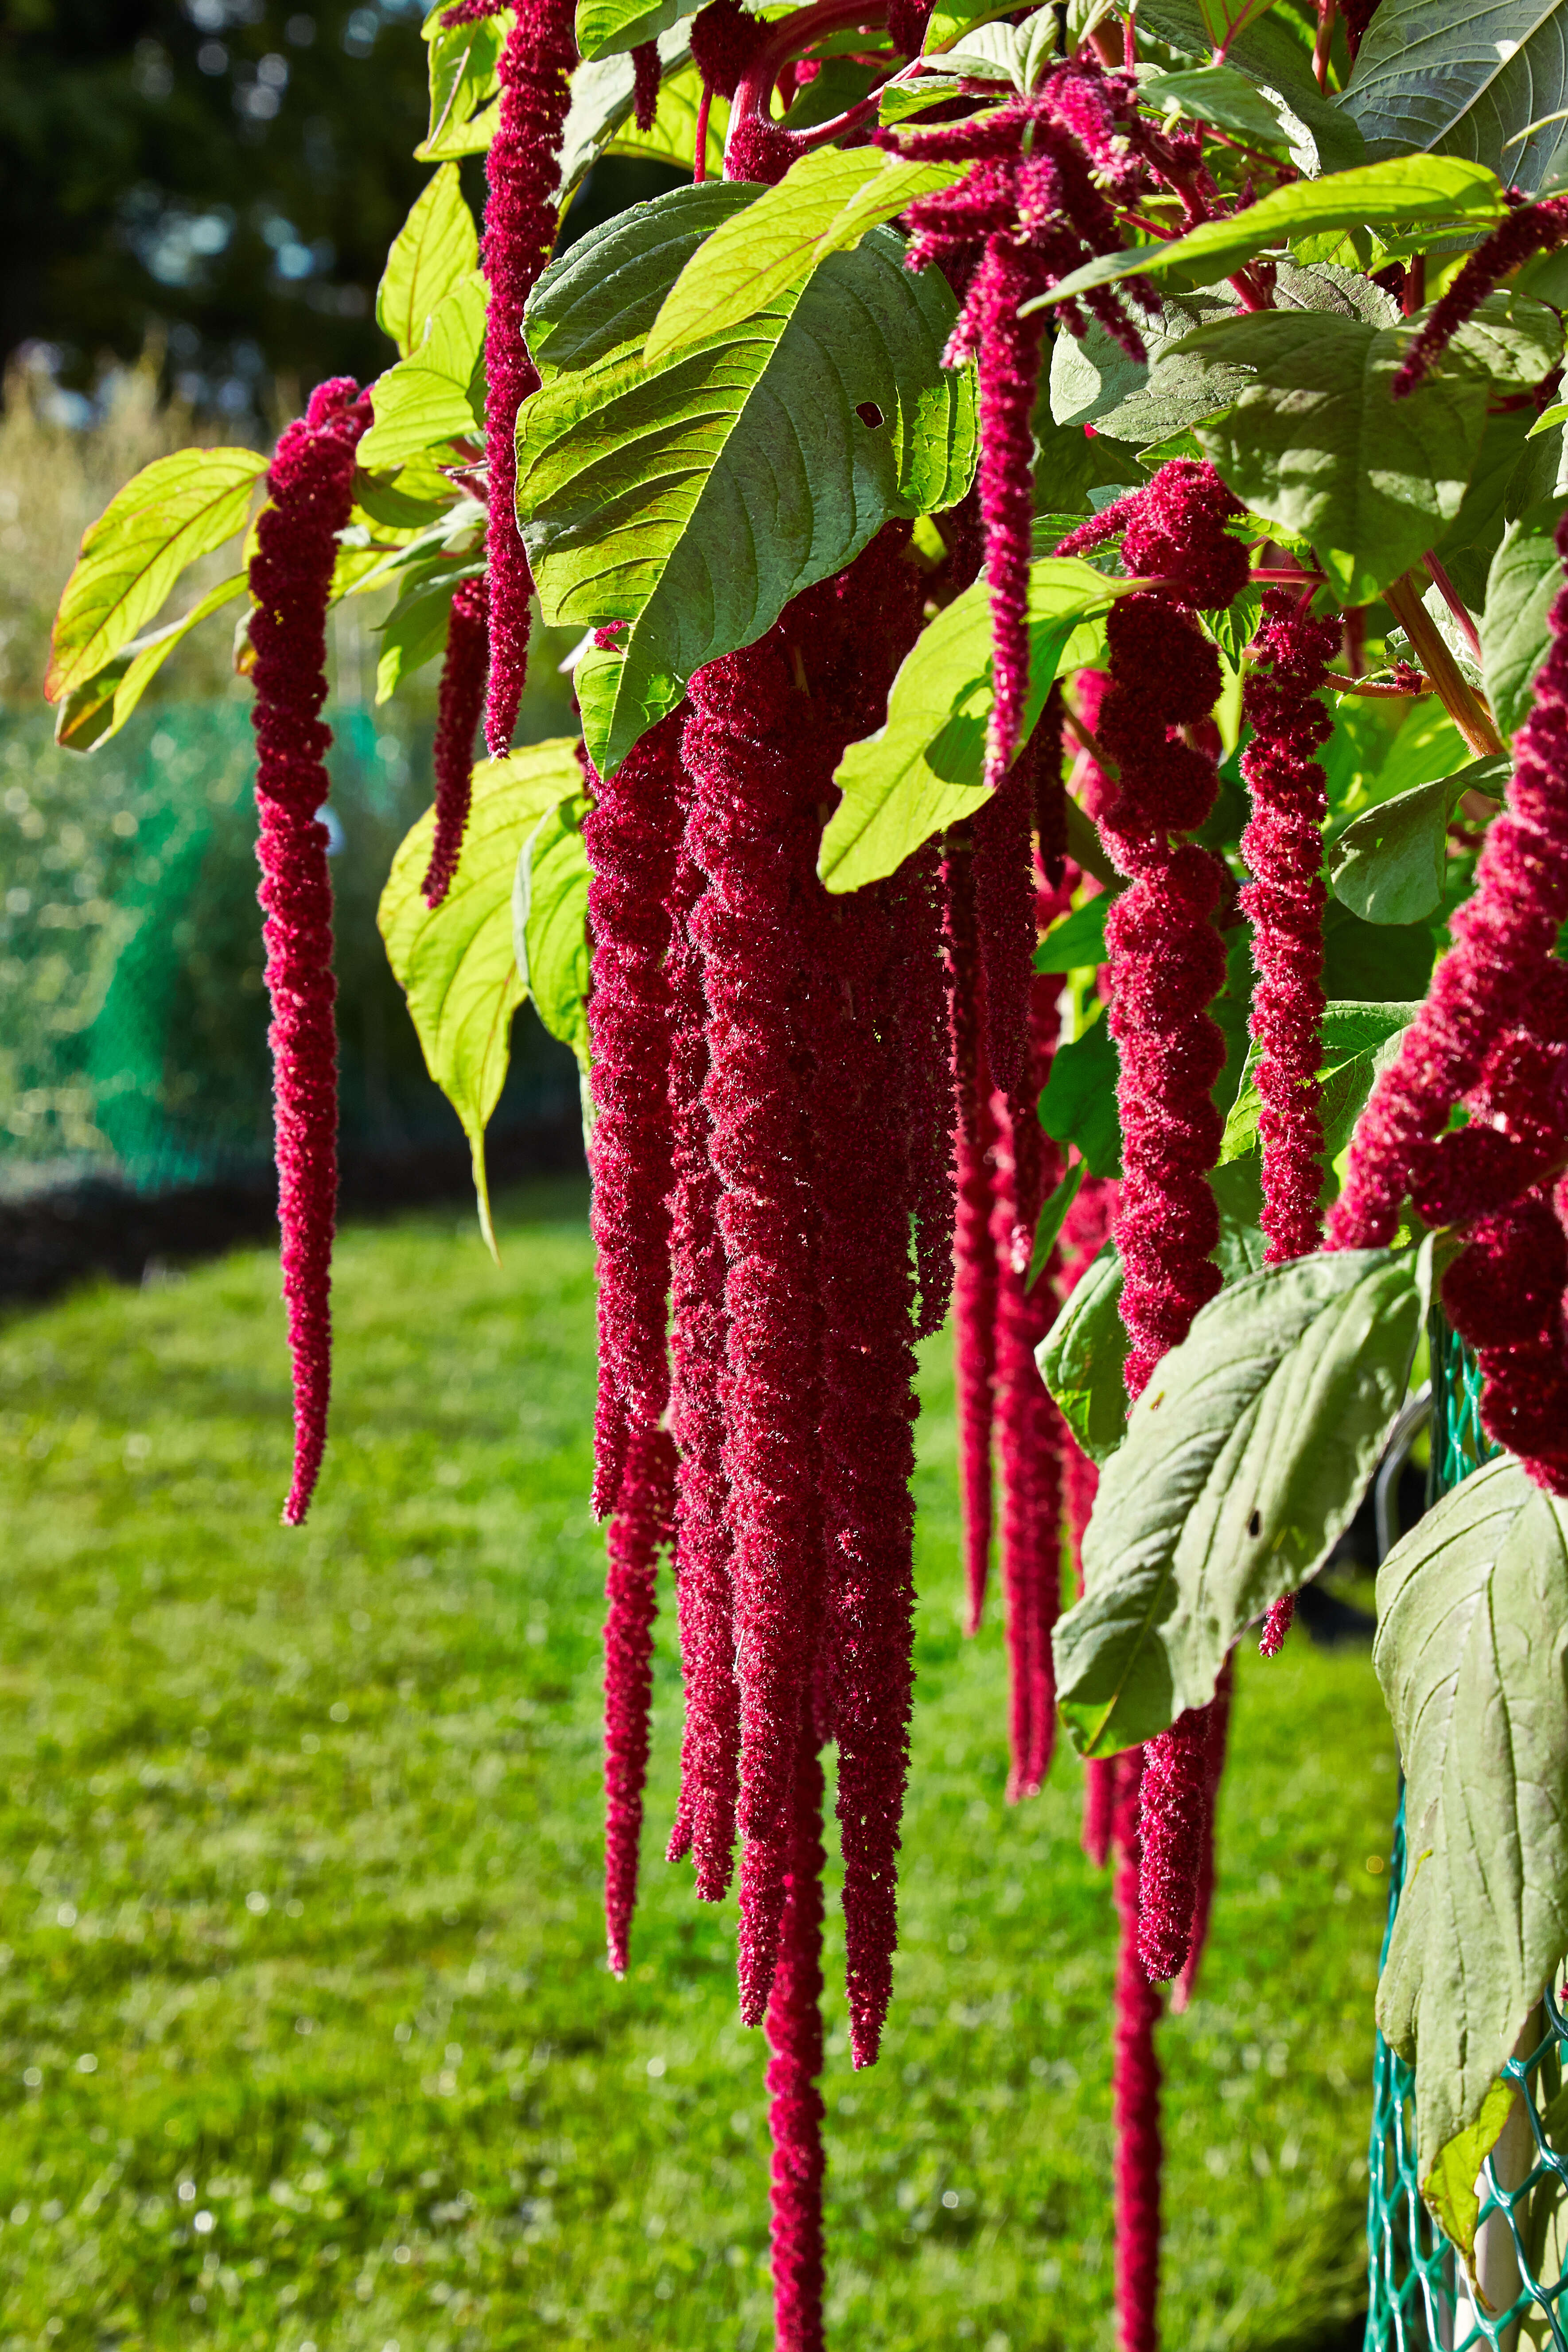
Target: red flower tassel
641	1526
753	832
1219	1725
520	223
974	1278
646	73
1532	228
458	711
632	836
711	1743
921	1016
795	2041
1135	2087
1283	848
310	482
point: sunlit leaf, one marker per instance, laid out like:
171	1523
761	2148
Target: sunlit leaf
435	249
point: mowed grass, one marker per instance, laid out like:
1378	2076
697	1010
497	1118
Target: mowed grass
306	2036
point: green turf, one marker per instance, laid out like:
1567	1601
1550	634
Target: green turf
306	2036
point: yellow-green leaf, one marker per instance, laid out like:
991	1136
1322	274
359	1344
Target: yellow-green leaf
824	203
1449	2187
456	964
99	707
550	924
174	511
436	246
437	394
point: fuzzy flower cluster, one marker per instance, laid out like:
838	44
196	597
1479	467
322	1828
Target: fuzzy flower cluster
310	483
1045	172
1530	229
1284	901
460	709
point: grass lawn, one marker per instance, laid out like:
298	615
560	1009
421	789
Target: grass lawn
306	2040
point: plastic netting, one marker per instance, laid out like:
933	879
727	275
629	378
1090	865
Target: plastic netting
1419	2299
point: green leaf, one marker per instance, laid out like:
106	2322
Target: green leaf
175	509
1273	54
1052	1218
415	631
436	246
1316	443
1223	19
1473	1622
614	27
1449	2187
599	299
463	86
950	19
550	924
1464	81
1082	1356
1389	865
1078	1102
1078	940
1217	95
1374	963
91	713
824	203
456	965
1353	1037
1245	1459
924	769
1524	581
1421	191
438	395
768	478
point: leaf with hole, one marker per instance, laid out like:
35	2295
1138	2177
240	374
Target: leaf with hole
1245	1459
770	474
455	963
925	768
174	511
1472	1653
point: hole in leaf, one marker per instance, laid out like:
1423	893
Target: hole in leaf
1254	1524
869	413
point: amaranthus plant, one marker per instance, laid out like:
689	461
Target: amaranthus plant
1066	510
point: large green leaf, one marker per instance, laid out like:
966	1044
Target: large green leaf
174	511
1524	583
599	299
1216	95
1275	57
824	203
1245	1459
437	394
436	246
463	85
1353	1037
1425	191
692	500
1082	1356
98	708
1389	865
1472	1653
1464	81
550	924
926	768
456	964
607	28
1316	443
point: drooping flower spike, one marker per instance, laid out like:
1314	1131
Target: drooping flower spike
1036	202
521	220
974	1253
460	709
643	1524
1531	228
310	482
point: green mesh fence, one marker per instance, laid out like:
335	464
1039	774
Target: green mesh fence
133	1008
1418	2298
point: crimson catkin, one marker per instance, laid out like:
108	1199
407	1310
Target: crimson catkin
632	837
641	1526
794	2043
710	1740
460	709
520	222
1284	901
1217	1729
921	1017
1532	228
975	1277
310	482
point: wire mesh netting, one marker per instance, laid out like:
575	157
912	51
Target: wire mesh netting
1419	2298
133	1006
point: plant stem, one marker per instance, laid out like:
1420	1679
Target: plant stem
1453	690
1451	597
